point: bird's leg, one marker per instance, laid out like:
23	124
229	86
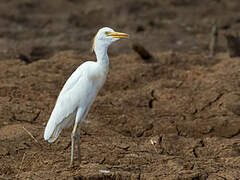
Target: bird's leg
73	143
79	116
78	142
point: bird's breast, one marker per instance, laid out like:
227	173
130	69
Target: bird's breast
97	75
98	79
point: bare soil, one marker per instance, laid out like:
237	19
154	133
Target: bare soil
177	117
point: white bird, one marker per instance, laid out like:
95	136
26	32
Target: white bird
80	90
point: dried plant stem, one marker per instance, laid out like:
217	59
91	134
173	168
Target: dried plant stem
31	135
20	168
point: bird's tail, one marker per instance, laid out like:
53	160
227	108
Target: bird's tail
52	131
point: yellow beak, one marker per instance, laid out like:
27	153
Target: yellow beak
118	35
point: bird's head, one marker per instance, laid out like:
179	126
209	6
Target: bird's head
106	36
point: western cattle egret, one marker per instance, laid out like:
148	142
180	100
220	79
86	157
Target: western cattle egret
80	90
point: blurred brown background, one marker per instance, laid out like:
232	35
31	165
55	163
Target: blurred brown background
52	26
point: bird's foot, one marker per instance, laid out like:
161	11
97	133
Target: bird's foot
72	165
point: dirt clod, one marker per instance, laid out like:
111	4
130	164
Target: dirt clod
233	43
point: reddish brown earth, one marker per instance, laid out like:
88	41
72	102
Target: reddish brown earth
175	118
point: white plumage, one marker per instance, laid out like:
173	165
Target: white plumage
80	91
77	95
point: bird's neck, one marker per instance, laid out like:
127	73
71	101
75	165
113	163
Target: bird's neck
102	56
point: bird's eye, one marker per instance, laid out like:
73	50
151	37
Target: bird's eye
107	33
